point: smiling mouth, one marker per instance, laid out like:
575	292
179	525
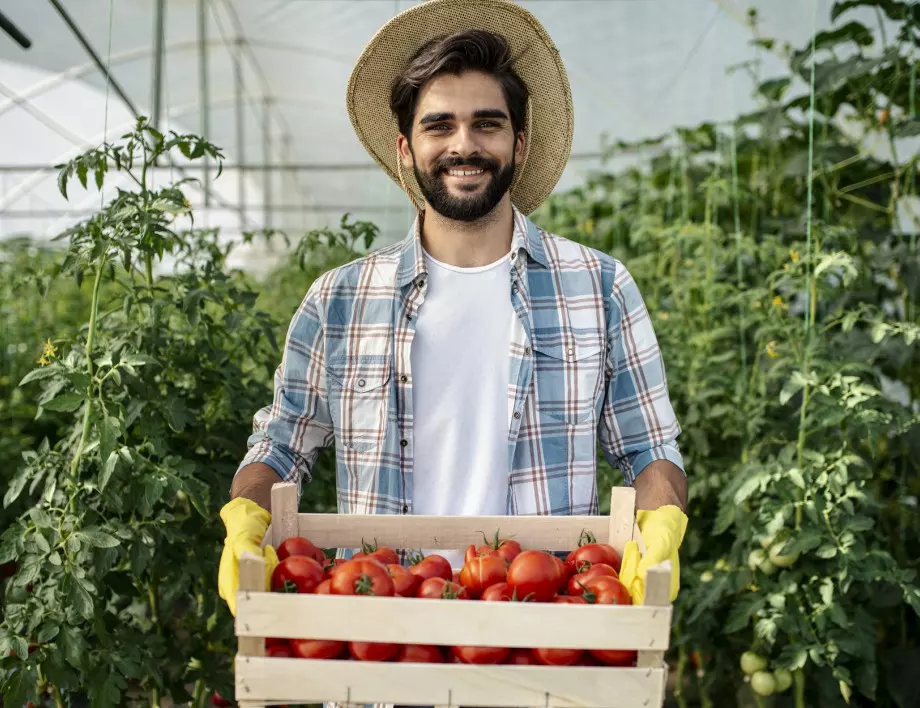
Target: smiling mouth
467	173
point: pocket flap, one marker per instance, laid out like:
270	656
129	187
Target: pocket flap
557	344
365	378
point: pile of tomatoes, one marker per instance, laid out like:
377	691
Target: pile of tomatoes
497	571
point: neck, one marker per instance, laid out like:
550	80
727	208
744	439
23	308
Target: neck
469	244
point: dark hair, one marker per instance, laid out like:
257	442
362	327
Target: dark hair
455	54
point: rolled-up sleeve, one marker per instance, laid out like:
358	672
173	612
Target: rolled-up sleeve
637	424
289	434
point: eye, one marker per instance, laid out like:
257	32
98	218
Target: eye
489	122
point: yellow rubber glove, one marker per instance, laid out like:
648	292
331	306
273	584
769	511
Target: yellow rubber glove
246	524
663	531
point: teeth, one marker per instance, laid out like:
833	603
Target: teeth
458	173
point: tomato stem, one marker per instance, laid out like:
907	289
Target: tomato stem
799	676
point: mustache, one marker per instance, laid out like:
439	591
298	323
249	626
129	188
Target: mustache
473	162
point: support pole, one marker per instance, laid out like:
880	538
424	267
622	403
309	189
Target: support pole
157	98
240	128
269	174
204	99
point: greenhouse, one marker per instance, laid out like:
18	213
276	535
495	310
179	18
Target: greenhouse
258	347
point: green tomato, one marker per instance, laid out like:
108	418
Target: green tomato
752	662
783	679
767	567
763	683
765	541
706	576
781	561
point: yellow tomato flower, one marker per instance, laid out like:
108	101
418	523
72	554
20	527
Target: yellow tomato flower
771	349
47	353
794	255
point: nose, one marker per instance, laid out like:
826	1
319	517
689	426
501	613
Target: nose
464	145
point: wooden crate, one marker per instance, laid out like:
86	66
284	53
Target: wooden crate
264	681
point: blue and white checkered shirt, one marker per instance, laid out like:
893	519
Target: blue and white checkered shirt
585	367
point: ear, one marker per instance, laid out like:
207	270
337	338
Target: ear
519	145
405	154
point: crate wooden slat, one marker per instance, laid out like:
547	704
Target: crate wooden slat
417	621
304	680
550	533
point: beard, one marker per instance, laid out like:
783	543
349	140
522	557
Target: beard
481	199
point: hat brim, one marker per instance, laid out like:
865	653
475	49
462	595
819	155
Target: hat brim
552	116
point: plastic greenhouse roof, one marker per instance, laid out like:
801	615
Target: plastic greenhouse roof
638	68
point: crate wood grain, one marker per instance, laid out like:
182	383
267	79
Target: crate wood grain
263	681
309	680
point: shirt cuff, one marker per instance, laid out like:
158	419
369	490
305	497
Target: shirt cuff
632	465
281	458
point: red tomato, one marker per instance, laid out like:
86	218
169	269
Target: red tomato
404	583
588	660
299	546
562	573
324	588
606	590
615	657
534	573
363	577
433	566
557	657
570	600
499	592
372	651
521	657
577	582
297	574
481	572
280	650
219	700
384	554
317	648
503	547
438	588
472	552
275	642
421	654
333	564
480	655
588	554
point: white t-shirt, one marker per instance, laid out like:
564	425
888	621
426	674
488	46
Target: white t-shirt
460	369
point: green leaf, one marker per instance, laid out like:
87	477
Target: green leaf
98	538
806	540
72	645
742	611
795	475
42	372
16	486
65	403
48	632
111	462
20	647
827	551
63	176
908	128
912	598
19	686
42	543
109	433
138	360
81	600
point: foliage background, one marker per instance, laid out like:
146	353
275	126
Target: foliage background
790	340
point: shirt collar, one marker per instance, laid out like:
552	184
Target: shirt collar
526	237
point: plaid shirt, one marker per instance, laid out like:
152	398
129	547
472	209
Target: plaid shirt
585	367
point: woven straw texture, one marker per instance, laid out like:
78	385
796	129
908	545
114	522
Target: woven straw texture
551	118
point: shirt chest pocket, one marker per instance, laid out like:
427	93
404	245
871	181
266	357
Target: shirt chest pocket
568	372
359	397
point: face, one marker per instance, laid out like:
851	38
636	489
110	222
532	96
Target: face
463	149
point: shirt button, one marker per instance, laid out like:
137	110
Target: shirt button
527	351
403	442
361	383
404	378
571	351
405	508
517	414
408	315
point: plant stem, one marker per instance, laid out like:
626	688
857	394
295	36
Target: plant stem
681	666
58	699
155	620
90	339
799	676
198	693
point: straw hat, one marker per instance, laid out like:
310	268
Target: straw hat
550	119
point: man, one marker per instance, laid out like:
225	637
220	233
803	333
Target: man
473	367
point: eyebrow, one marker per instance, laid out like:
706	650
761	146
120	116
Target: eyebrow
482	113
